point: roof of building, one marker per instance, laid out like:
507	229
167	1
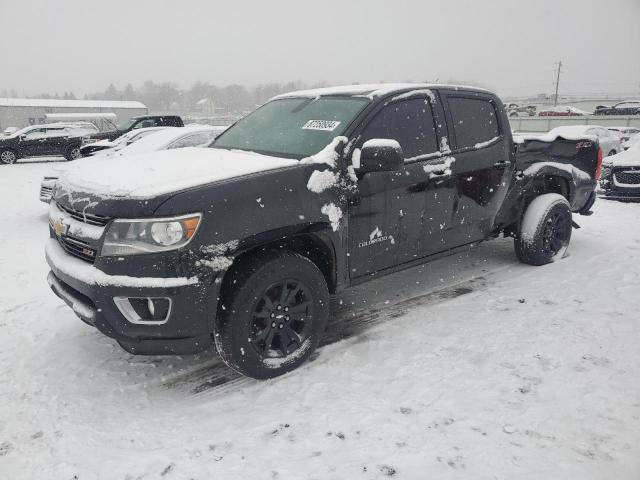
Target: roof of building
50	102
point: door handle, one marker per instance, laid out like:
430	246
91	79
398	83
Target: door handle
43	140
501	164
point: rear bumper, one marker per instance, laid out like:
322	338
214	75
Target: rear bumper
90	293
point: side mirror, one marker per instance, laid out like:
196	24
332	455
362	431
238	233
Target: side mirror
380	155
22	138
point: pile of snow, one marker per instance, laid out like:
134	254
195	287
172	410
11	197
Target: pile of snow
334	213
319	181
568	132
328	154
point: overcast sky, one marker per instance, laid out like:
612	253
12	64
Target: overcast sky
507	45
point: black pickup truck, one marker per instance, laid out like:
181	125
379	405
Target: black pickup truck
241	244
134	123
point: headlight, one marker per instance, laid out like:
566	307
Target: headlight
150	235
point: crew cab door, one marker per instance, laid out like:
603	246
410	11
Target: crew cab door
56	141
481	145
401	216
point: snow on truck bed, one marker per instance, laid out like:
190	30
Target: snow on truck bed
473	366
148	175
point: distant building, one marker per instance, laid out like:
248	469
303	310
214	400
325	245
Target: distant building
205	106
20	112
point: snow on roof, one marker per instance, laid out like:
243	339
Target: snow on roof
50	102
95	116
369	90
157	173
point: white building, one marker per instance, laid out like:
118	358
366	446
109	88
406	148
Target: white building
20	112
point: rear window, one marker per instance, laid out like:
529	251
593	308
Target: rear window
474	121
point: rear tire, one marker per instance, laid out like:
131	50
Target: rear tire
72	153
273	312
545	230
8	157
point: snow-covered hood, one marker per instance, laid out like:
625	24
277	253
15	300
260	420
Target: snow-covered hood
157	173
628	158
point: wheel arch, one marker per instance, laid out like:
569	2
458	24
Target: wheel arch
315	243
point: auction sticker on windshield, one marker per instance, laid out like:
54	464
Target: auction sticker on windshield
327	125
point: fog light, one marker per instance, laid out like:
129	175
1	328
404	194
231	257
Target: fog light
144	310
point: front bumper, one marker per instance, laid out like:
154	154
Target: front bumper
90	292
612	189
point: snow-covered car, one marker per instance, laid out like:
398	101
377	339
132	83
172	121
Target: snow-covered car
52	139
167	139
562	111
630	107
515	110
609	142
159	138
621	175
119	143
240	244
626	133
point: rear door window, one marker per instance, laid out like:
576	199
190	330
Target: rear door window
474	121
410	123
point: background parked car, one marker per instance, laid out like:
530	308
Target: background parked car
626	133
622	108
562	111
609	142
54	139
168	138
620	178
120	142
154	140
135	123
515	110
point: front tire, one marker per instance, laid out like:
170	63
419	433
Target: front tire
545	230
8	157
272	315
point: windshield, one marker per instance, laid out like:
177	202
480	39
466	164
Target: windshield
292	127
22	131
126	124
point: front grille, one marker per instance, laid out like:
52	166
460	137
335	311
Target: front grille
46	191
78	248
85	217
628	177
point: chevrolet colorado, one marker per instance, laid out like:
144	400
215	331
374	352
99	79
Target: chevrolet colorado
241	244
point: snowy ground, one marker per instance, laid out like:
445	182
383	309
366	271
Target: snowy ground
473	366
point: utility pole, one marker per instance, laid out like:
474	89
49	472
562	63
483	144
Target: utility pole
555	100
